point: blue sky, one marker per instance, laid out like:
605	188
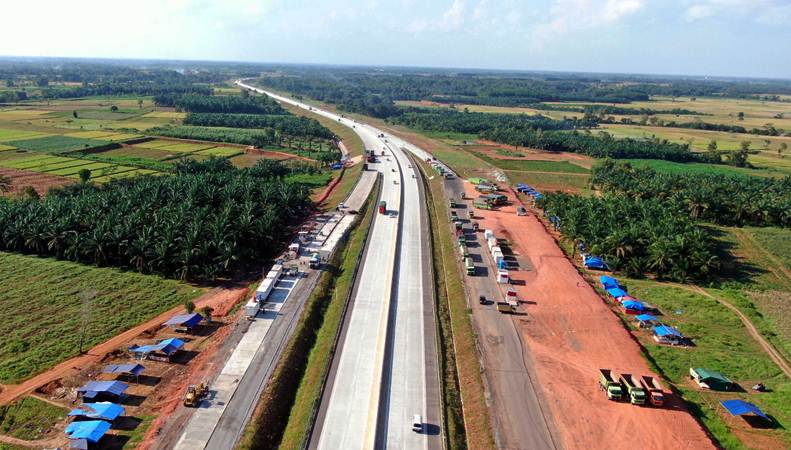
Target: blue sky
700	37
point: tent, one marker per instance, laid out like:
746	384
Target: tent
741	408
609	282
646	318
101	410
631	305
709	379
124	369
166	346
664	330
94	388
91	430
617	292
185	320
593	262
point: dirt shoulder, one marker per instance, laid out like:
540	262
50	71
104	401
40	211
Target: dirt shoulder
571	333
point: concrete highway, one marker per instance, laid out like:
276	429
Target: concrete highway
385	370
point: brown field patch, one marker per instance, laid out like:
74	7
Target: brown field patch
41	182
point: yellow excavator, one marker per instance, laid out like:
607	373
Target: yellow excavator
195	394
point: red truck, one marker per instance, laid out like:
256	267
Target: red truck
655	393
382	207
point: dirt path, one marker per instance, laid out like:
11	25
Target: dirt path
765	345
40	443
571	333
218	298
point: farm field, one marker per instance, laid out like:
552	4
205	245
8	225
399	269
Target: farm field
109	301
674	167
70	167
55	143
39	181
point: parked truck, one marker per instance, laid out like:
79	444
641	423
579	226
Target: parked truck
608	384
469	266
382	207
656	394
506	308
636	392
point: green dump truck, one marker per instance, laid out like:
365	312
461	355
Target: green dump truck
636	392
470	266
608	384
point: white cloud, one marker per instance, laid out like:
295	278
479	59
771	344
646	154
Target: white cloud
567	16
454	17
773	12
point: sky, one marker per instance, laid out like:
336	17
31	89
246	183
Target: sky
686	37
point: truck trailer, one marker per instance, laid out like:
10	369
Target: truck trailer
505	308
608	384
636	392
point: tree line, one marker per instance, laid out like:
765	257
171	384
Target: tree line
287	124
635	235
727	200
206	221
225	104
440	119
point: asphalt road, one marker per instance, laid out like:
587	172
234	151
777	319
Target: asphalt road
519	422
385	370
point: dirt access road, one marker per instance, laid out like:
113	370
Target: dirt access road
221	299
570	333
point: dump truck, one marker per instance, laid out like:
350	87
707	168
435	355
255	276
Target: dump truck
481	205
454	216
462	239
382	207
463	250
636	392
609	385
475	226
655	393
506	308
452	203
195	394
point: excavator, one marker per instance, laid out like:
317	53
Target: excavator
195	394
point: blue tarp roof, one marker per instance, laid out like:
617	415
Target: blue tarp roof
133	369
646	318
617	292
100	410
740	407
187	320
594	262
633	305
609	282
91	430
92	388
664	330
167	346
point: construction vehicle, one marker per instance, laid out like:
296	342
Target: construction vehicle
454	216
463	250
655	393
458	225
452	203
469	266
315	260
481	205
609	385
506	307
382	207
195	394
475	226
462	239
636	392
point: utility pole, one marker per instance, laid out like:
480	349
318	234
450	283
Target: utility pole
85	297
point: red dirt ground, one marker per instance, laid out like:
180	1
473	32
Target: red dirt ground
571	333
41	182
221	299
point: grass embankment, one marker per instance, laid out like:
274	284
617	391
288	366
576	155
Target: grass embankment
723	344
467	421
29	418
285	411
350	178
47	301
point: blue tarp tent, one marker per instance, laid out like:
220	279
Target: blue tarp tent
124	369
617	292
167	346
664	330
185	320
92	430
633	305
609	282
594	262
646	318
101	410
94	388
740	407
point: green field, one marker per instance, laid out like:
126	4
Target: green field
550	181
524	165
29	418
221	151
7	134
70	167
674	167
722	344
56	143
47	301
